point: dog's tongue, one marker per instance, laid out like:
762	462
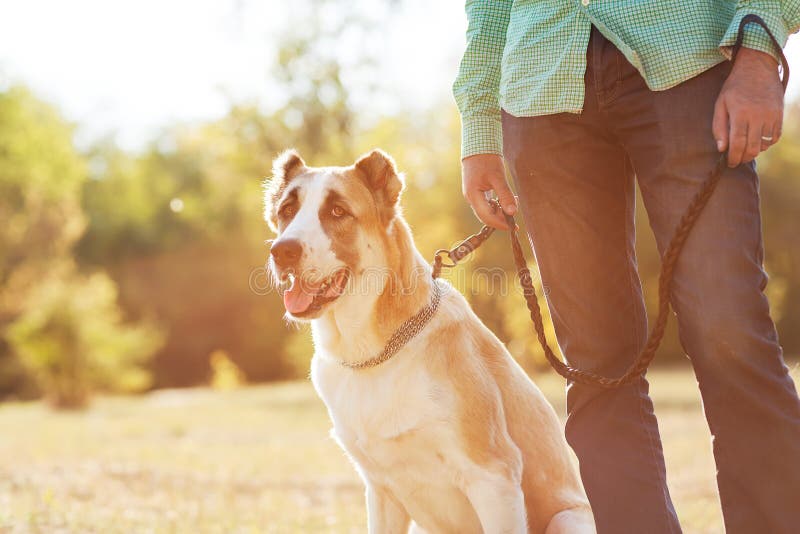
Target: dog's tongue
296	299
299	297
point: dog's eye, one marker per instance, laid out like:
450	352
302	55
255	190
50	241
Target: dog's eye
338	211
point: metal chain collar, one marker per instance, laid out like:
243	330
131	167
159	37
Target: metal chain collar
405	333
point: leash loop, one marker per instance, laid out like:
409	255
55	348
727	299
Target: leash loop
755	19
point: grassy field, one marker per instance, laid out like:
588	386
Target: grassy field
257	459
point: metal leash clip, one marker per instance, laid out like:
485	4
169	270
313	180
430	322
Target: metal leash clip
467	246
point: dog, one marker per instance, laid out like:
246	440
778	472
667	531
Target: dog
446	430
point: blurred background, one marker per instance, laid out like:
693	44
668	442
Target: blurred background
134	137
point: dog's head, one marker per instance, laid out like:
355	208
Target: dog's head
329	223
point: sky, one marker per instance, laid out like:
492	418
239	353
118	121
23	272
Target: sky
130	68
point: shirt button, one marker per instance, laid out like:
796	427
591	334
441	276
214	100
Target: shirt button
585	2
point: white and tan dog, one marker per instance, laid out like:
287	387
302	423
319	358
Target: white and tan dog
449	432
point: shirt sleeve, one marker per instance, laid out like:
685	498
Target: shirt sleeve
782	17
477	86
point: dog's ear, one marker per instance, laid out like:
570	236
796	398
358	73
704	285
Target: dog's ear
381	176
285	167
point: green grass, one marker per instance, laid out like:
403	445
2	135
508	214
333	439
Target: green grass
257	459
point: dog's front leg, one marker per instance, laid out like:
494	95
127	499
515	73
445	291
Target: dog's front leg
385	514
499	502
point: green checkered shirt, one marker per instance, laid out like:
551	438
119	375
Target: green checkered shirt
528	57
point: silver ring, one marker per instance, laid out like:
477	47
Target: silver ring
767	138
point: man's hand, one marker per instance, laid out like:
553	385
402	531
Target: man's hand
749	107
485	172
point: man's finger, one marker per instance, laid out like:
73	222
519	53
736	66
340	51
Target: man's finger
719	126
483	210
737	142
753	146
776	131
504	194
768	137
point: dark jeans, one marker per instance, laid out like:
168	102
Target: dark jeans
575	177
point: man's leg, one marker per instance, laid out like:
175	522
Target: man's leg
576	195
749	398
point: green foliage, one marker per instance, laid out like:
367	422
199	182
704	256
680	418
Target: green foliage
40	179
73	340
38	159
60	332
214	171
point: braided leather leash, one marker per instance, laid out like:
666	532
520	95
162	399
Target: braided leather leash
669	260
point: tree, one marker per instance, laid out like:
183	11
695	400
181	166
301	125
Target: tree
72	339
60	330
40	179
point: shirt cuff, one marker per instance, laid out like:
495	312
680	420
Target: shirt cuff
754	35
481	135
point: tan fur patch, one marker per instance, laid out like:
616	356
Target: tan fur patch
407	290
492	397
341	230
379	172
479	405
285	167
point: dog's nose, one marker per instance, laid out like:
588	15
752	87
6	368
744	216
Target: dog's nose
286	253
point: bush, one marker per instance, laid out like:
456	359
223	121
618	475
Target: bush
73	341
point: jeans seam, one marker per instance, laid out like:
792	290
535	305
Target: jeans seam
629	215
651	439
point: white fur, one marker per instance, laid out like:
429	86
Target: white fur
319	260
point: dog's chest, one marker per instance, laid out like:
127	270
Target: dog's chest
370	409
398	429
392	422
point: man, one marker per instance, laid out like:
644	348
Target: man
579	97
